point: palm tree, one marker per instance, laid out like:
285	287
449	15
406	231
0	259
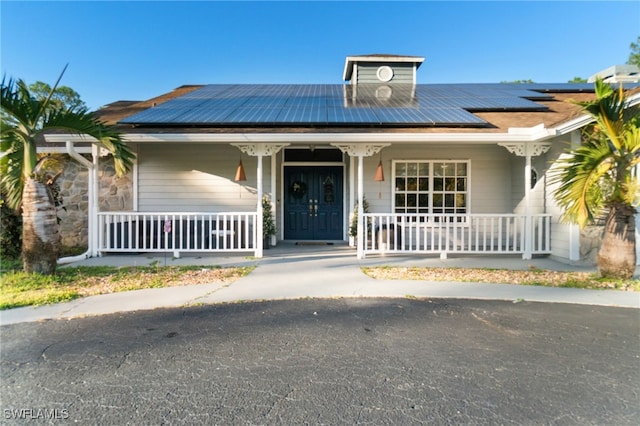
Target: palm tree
600	176
23	121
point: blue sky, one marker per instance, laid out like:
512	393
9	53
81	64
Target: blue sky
136	50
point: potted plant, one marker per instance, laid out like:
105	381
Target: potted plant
353	226
268	222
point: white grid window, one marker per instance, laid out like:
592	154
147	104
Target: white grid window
431	187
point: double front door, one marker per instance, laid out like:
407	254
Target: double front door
313	200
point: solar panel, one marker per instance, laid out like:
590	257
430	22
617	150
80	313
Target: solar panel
302	114
443	116
401	115
253	115
204	116
157	116
337	104
352	116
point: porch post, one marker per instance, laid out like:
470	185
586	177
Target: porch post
360	150
259	221
528	232
94	201
527	150
273	194
360	236
352	194
259	150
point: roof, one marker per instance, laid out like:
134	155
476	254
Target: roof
378	57
340	106
554	107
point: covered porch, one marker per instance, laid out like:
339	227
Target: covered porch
387	229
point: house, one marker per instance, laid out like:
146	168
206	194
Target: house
443	168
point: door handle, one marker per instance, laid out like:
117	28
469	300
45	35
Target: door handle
313	207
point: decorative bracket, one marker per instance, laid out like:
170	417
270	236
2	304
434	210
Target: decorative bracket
360	149
263	149
522	149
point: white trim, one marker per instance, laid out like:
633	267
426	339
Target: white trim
62	150
535	133
357	150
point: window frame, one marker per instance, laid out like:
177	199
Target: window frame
431	186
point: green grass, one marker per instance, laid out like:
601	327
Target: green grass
18	288
21	289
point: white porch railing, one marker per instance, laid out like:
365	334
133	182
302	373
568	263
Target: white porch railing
176	232
470	233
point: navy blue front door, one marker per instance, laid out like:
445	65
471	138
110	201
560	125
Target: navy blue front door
313	203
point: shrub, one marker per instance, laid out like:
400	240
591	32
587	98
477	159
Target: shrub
10	232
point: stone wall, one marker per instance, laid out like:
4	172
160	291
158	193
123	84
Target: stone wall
590	241
115	194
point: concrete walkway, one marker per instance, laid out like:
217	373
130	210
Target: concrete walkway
292	272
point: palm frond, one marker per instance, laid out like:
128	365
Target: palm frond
608	111
600	171
19	108
79	121
11	178
47	100
579	176
23	119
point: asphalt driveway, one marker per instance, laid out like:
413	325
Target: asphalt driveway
336	361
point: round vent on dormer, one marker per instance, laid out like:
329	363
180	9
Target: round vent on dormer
385	73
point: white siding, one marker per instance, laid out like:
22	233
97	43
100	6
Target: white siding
539	164
490	174
196	178
561	233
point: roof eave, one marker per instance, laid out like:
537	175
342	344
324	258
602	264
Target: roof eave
535	133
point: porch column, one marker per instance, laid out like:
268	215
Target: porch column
527	150
92	196
360	150
259	150
94	202
273	195
352	195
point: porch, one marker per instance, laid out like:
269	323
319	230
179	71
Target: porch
412	234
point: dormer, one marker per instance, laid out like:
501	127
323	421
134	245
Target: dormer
381	68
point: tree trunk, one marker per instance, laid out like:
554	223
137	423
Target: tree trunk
617	255
40	236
